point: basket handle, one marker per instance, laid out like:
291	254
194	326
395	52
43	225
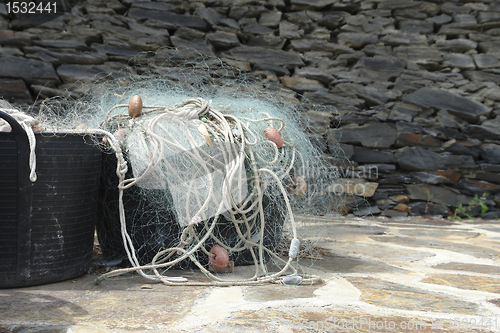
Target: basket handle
14	124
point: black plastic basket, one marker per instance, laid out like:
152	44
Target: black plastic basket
46	227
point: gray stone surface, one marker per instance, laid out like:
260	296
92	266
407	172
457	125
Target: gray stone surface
369	60
380	68
374	135
436	194
29	70
490	152
362	155
419	270
444	100
263	55
417	158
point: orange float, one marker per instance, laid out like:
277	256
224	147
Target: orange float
220	259
135	106
273	135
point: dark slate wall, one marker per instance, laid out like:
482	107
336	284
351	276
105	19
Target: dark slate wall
416	83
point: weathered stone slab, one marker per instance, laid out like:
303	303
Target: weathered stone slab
373	95
278	70
15	91
366	211
402	39
380	68
428	208
301	85
311	4
82	73
483	283
257	29
465	147
421	55
17	39
318	121
199	45
483	132
222	40
475	268
356	40
417	26
154	6
175	20
394	295
315	74
456	29
484	61
412	139
332	20
478	186
490	152
306	45
211	16
189	33
430	177
256	54
290	30
114	51
29	70
458	60
488	176
444	100
373	135
456	45
326	98
417	158
267	41
271	19
436	194
474	250
58	58
362	155
482	76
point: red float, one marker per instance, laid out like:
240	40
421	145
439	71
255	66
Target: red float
273	135
220	260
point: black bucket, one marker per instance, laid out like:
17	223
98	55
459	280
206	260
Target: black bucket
154	228
46	227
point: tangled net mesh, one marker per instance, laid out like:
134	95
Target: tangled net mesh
195	177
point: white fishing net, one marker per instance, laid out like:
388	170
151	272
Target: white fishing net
206	174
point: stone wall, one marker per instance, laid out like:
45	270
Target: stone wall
416	83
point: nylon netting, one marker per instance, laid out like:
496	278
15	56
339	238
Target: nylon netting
208	177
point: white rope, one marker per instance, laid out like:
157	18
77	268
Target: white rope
27	124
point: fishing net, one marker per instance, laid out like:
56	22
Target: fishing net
204	168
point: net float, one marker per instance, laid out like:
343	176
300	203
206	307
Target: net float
120	134
297	187
273	135
135	106
82	127
220	258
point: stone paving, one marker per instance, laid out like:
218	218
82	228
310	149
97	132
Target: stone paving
379	275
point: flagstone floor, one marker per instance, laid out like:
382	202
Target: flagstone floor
380	275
